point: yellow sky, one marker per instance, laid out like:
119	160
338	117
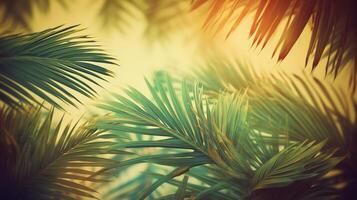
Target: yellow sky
138	59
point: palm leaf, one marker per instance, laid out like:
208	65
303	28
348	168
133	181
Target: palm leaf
52	161
333	27
194	131
55	65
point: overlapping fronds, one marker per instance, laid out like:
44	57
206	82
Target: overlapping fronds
333	27
55	65
293	107
51	160
294	102
192	131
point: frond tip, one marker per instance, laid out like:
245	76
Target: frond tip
48	63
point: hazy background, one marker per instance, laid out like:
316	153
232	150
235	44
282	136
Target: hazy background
176	42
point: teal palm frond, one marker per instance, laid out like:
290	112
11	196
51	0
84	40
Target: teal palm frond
55	65
193	131
292	107
50	160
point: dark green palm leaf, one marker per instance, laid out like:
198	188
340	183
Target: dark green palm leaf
51	65
51	162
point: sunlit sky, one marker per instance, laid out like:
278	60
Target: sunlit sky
138	57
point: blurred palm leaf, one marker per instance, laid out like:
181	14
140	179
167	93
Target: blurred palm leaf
333	27
193	131
50	65
51	160
127	187
162	18
166	18
118	13
18	13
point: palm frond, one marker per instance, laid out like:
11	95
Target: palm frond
291	107
46	64
52	160
193	131
333	27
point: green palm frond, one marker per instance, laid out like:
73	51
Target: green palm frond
333	27
294	107
193	131
52	160
55	65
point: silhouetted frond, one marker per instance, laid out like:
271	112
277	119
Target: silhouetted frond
46	64
51	160
333	27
